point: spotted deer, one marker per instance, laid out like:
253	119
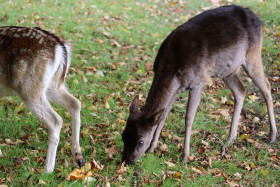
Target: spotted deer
33	66
215	43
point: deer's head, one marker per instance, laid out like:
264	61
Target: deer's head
138	132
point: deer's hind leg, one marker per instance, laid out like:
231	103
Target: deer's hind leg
63	98
255	70
39	105
239	91
193	102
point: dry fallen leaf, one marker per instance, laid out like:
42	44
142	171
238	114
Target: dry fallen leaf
196	170
244	136
253	98
169	164
238	176
9	142
252	165
177	175
78	174
200	168
232	184
67	147
264	171
210	162
191	158
121	169
95	165
205	143
163	147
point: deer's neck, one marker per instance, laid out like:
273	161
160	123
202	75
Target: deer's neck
160	95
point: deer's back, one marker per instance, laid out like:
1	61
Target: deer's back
25	54
213	43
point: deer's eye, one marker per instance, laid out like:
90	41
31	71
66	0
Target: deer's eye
140	144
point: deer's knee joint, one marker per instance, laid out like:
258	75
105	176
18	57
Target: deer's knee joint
75	105
58	121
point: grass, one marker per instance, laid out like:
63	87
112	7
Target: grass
114	44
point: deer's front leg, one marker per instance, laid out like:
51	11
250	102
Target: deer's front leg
73	105
238	90
193	102
161	124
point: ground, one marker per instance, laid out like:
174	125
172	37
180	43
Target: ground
114	44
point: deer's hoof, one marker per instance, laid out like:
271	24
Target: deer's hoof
272	141
272	138
223	151
79	159
184	159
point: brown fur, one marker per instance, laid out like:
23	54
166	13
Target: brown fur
33	65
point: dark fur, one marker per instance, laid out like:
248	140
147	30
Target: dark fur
186	53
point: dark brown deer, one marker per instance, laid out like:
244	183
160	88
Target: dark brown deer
215	43
33	66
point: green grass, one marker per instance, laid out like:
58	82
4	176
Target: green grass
136	30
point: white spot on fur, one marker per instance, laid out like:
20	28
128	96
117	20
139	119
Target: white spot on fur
41	40
41	33
29	32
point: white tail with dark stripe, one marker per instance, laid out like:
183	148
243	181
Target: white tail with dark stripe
33	66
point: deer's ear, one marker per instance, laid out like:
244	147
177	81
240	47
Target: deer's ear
134	105
154	119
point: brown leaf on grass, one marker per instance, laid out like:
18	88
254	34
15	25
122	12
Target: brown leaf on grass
95	165
275	158
196	170
210	162
201	150
191	158
4	18
205	143
232	184
115	43
248	165
121	169
169	164
258	145
163	147
224	176
107	34
238	176
108	152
